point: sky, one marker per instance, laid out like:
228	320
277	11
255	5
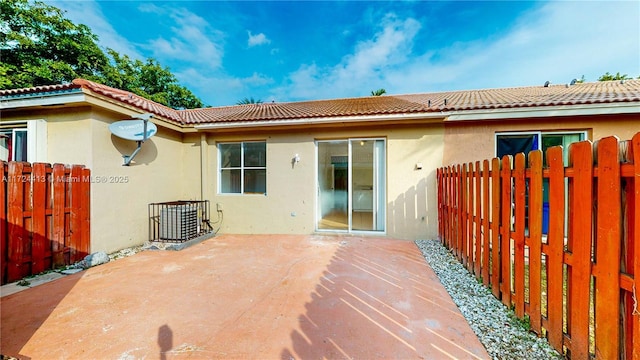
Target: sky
310	50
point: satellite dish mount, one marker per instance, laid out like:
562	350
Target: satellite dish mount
138	130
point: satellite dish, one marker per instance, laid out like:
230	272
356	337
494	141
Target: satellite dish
133	129
136	130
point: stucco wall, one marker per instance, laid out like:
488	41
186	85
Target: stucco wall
290	203
467	141
120	205
119	195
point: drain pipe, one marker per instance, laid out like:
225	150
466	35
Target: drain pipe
204	162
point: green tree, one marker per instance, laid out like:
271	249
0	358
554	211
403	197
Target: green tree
617	76
250	100
41	47
149	80
378	92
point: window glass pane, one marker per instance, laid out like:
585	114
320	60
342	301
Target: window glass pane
513	144
5	145
20	145
255	181
230	181
255	154
229	155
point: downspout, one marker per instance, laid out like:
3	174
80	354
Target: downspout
204	162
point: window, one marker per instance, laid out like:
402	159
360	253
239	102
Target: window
243	168
515	142
13	144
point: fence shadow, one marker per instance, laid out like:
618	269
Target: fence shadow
377	299
23	313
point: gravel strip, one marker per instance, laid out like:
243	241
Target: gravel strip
501	333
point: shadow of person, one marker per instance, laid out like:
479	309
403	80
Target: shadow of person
165	340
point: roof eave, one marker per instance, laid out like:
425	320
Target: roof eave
43	99
549	111
323	120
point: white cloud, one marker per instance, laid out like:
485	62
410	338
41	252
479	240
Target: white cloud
90	13
557	41
192	39
368	64
258	39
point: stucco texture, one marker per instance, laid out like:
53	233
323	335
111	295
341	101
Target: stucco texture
290	205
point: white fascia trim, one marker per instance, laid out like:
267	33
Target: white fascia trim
323	120
42	100
538	112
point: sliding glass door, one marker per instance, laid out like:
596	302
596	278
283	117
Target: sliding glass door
351	185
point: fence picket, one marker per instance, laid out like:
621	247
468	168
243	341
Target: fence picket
505	234
38	218
464	215
470	232
555	241
17	233
579	245
495	227
485	223
477	258
518	237
85	211
75	238
608	235
589	255
634	238
58	215
3	221
535	239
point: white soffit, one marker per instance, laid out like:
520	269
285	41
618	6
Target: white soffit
550	111
43	100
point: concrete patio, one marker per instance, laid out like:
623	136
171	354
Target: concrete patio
245	297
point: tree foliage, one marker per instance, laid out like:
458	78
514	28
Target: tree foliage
250	100
378	92
617	76
41	47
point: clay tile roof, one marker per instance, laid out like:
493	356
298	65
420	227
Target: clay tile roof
533	96
303	110
451	101
130	99
45	89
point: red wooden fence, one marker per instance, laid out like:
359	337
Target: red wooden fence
44	217
577	283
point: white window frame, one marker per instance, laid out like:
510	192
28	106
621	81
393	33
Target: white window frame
242	168
538	134
36	130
